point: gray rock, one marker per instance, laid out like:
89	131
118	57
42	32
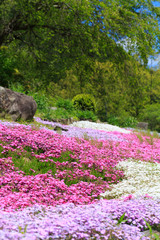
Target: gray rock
63	121
17	105
152	235
53	108
58	128
142	125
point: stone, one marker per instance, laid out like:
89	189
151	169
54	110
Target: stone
58	128
53	108
152	235
17	105
98	121
66	121
142	125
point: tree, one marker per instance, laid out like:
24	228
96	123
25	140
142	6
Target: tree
7	67
55	38
136	80
28	21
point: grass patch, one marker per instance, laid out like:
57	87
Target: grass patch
32	166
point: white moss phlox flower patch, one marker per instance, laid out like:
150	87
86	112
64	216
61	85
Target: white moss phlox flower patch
141	178
99	126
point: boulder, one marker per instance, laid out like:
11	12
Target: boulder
17	105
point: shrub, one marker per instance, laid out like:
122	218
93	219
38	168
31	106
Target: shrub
84	102
17	87
41	101
7	65
65	103
61	113
86	115
122	121
128	121
113	120
151	114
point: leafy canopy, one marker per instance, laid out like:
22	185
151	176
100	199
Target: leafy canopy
38	21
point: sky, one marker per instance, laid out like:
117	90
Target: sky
153	63
156	3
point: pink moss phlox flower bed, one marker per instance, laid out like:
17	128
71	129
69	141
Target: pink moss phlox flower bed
128	145
18	190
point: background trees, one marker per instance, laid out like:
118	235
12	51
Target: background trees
68	47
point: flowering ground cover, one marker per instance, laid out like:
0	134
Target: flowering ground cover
51	184
84	131
94	221
142	178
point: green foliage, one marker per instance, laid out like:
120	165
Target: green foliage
128	121
65	109
33	166
137	86
43	105
75	22
151	114
30	165
44	108
17	87
121	219
65	103
86	115
154	86
61	113
46	113
7	67
113	120
122	121
24	230
84	102
41	100
61	48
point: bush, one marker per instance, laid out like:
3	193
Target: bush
84	102
7	67
86	115
17	87
65	103
113	120
122	121
41	101
61	113
151	114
